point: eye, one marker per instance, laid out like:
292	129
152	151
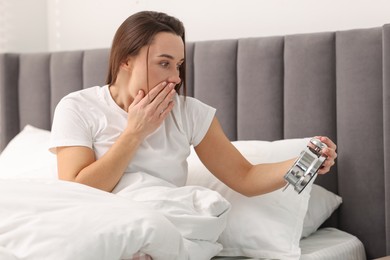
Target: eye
164	64
179	66
167	64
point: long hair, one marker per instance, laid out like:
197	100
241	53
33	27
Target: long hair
137	31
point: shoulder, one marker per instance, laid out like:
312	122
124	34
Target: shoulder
79	104
186	102
83	93
196	117
82	97
192	109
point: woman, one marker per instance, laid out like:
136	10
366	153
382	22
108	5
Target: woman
139	122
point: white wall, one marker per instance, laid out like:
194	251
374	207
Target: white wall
85	24
23	25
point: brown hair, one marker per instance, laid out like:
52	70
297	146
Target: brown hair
138	31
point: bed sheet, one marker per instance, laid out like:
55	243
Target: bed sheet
324	244
332	244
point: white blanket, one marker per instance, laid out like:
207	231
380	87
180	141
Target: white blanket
52	219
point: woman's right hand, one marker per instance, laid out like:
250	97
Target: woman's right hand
147	112
79	164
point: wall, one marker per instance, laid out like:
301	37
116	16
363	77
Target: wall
23	25
57	25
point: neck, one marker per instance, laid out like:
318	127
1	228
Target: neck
120	95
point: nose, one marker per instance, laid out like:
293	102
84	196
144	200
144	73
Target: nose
175	79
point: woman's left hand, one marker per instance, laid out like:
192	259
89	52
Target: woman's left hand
330	152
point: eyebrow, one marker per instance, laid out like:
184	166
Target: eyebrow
169	57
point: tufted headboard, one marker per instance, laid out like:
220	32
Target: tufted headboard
266	88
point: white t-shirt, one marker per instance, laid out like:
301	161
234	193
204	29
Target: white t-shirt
91	118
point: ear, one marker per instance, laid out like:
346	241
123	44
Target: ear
127	64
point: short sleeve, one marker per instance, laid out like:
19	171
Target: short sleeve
199	117
69	127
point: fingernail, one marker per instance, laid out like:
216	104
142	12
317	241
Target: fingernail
139	92
164	83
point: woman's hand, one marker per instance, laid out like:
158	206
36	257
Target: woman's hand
330	152
147	112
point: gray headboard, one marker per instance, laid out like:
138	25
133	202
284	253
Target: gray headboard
331	83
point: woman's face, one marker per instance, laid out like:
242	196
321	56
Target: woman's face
166	55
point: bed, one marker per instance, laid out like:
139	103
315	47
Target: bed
271	94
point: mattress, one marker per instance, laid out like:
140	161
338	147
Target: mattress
332	244
326	244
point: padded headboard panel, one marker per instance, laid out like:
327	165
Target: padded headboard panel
332	83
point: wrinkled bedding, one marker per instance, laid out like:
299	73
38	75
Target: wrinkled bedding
53	219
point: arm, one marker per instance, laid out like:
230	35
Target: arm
77	163
227	164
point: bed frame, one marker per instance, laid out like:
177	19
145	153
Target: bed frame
331	83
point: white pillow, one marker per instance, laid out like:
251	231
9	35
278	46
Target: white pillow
267	226
322	203
27	155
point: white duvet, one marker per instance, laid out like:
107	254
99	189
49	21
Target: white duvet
53	219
